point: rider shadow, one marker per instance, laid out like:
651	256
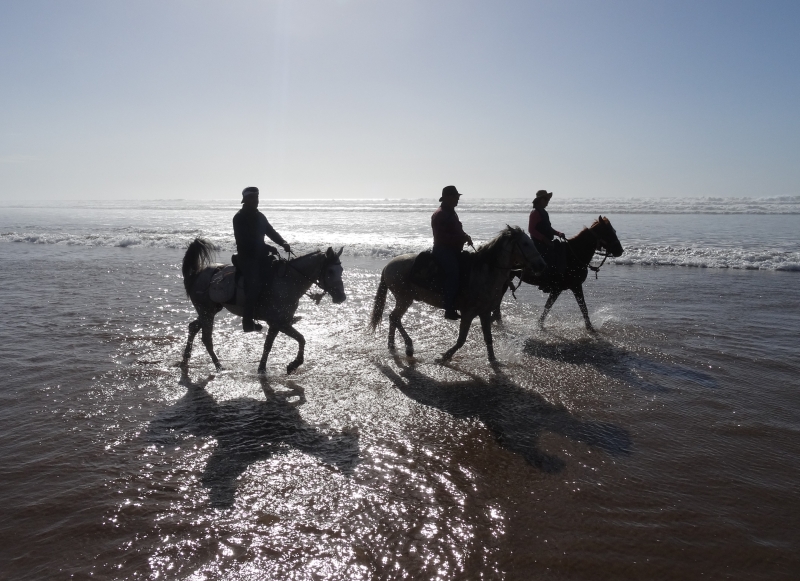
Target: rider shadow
248	431
616	362
516	417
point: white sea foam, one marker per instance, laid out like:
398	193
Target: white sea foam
762	236
649	255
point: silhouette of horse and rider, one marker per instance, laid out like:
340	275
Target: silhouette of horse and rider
260	285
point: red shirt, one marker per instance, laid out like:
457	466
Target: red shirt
447	230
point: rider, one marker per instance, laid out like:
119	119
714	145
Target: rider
255	256
542	232
448	242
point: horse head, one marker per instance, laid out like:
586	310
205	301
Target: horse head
330	277
524	253
606	237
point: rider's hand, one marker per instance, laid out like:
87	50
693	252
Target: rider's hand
469	241
286	247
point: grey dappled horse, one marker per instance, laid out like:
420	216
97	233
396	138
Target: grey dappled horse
489	270
291	281
580	250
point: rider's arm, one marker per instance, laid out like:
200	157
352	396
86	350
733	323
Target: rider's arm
272	234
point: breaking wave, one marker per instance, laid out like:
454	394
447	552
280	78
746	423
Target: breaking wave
388	247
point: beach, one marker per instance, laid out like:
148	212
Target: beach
663	447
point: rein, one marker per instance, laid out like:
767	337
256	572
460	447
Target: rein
595	269
316	297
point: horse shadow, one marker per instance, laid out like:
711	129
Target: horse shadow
515	416
248	431
616	362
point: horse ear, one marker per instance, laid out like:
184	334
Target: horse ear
338	254
329	252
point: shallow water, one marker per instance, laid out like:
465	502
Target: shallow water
664	447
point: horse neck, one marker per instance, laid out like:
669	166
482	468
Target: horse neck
304	270
584	245
498	258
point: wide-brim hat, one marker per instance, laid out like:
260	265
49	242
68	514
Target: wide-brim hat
449	191
543	194
251	191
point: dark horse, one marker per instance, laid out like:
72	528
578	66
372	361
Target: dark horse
291	280
599	237
489	269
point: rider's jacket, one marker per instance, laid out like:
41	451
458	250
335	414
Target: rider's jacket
249	228
447	230
539	225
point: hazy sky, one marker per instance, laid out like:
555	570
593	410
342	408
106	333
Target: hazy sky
368	98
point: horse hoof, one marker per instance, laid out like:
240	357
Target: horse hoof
392	348
262	370
218	366
409	352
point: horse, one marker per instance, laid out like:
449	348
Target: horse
600	236
488	274
292	280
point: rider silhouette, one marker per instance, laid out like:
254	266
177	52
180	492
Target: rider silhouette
448	242
542	232
254	255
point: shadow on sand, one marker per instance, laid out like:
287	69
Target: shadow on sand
247	431
516	416
632	368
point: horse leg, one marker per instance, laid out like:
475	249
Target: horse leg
548	305
194	327
497	316
486	326
462	337
208	328
400	308
301	342
272	332
578	292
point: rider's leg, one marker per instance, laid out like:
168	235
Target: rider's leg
448	260
250	268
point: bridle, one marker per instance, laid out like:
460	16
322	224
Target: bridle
316	297
599	244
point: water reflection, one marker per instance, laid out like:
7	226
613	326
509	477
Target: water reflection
517	417
247	431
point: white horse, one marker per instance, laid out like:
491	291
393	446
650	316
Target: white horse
489	270
291	281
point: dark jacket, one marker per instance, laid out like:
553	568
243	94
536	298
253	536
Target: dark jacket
249	228
539	225
447	230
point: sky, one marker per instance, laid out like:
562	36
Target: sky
398	98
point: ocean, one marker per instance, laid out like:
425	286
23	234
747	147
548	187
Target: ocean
666	446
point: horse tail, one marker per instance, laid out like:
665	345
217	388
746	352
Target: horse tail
378	305
197	257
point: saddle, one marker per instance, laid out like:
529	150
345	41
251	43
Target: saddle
551	279
228	279
427	273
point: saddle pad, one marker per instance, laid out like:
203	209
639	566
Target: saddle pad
427	273
223	285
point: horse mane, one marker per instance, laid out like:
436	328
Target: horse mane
600	221
487	253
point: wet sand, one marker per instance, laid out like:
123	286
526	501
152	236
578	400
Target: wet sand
665	447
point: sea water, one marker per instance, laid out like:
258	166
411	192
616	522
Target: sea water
666	446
